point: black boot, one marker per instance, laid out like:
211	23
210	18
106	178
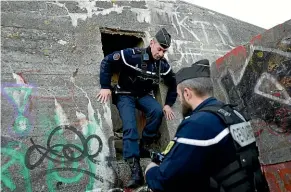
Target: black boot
145	143
144	149
136	179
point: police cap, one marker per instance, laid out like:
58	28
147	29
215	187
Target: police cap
163	38
198	69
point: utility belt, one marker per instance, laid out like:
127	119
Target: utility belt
150	79
117	90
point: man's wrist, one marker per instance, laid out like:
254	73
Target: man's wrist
105	87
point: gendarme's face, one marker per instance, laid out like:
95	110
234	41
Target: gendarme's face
186	108
157	50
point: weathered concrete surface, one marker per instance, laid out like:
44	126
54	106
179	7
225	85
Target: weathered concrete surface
51	54
257	77
278	176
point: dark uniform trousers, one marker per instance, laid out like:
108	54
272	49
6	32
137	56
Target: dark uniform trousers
127	107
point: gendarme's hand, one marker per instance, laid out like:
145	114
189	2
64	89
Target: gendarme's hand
104	95
168	112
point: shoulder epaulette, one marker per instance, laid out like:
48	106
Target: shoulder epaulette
136	50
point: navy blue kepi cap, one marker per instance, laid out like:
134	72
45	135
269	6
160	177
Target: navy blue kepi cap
199	69
163	38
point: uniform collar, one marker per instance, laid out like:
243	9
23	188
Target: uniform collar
148	50
210	100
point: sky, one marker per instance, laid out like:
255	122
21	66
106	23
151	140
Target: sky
262	13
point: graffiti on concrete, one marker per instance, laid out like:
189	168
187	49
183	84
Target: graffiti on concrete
142	15
68	162
279	175
18	95
187	51
271	107
188	27
269	99
195	38
66	149
257	78
58	130
94	165
71	155
11	158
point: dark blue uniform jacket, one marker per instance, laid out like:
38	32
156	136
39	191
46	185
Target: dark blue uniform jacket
131	76
202	146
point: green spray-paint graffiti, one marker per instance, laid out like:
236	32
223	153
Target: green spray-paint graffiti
18	95
51	176
16	157
64	153
90	128
68	156
72	154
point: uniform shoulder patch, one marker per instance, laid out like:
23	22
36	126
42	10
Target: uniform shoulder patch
168	148
136	50
116	56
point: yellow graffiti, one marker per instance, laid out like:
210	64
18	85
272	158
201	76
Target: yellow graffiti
253	64
47	22
46	52
272	65
260	54
13	35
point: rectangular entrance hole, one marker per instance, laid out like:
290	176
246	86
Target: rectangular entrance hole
116	40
